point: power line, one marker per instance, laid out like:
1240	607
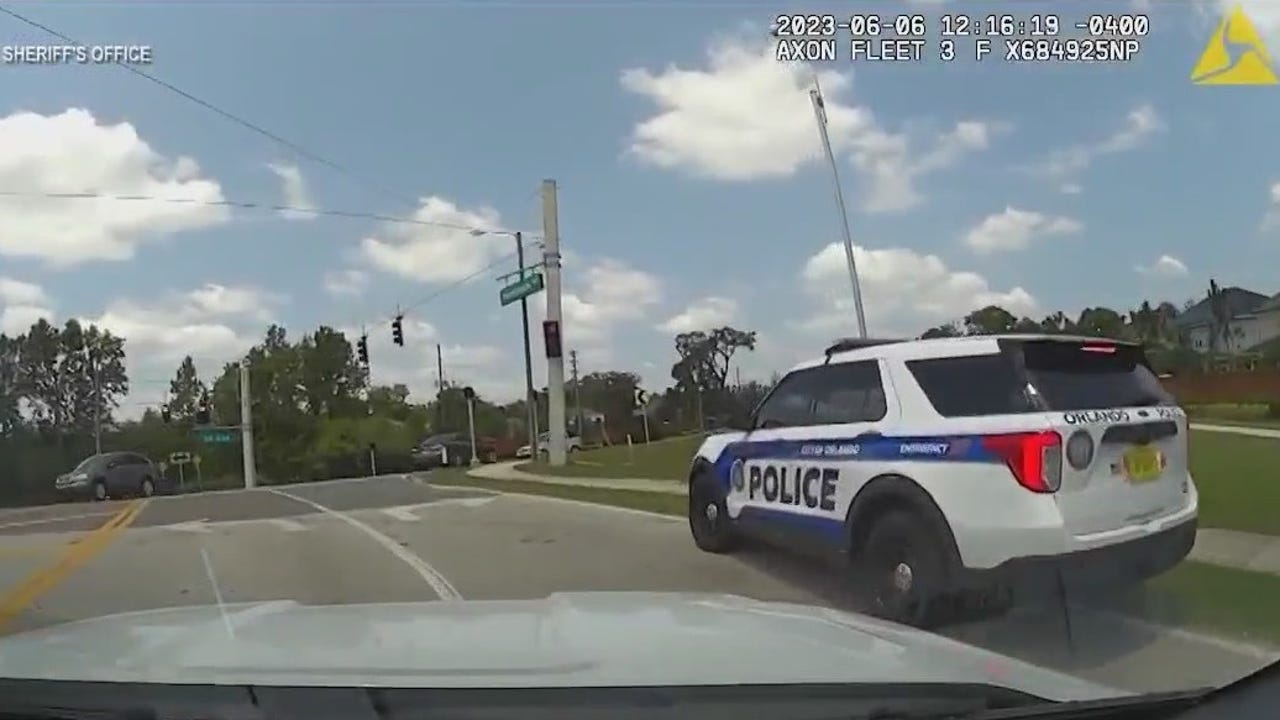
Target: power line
248	205
293	146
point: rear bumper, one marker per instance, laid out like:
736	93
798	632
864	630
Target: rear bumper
1038	578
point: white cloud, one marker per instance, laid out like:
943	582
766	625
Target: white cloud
213	323
1064	165
1272	217
346	282
445	251
296	194
903	291
72	152
702	314
1164	266
1264	14
609	295
213	299
747	116
1014	229
21	305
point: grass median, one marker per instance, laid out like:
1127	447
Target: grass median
662	460
1249	415
1226	602
1238	481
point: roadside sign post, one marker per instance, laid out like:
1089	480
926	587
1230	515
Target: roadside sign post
180	459
195	460
373	459
641	401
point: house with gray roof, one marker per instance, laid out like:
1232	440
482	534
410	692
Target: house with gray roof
1255	319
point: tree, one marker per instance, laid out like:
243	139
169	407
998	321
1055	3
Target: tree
332	376
945	330
1101	322
990	320
10	389
611	393
705	356
185	391
1220	321
72	376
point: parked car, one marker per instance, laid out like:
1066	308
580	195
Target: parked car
110	475
443	450
573	443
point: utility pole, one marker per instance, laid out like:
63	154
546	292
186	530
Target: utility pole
246	427
530	401
820	112
577	392
555	365
97	400
439	390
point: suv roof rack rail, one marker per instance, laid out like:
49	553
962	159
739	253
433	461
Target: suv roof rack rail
846	344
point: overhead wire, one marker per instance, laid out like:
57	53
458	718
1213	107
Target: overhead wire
254	127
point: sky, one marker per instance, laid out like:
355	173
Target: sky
692	188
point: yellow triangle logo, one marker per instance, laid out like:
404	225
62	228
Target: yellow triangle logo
1234	55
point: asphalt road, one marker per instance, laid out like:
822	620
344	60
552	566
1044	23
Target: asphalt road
398	538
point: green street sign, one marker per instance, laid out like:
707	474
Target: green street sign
523	288
215	436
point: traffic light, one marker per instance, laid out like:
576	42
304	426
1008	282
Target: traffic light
202	410
468	393
165	414
397	330
362	349
551	338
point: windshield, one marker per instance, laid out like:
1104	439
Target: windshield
319	277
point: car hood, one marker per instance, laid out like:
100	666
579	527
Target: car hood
564	640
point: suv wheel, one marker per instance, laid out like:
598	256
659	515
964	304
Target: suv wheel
709	521
901	570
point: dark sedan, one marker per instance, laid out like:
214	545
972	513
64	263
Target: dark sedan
110	475
446	450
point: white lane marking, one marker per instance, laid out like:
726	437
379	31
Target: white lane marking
441	585
195	526
400	513
217	592
288	525
567	501
45	521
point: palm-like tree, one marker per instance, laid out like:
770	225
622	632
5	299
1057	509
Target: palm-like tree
1220	325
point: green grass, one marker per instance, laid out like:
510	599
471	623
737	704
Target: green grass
665	503
1253	414
662	460
1223	601
1239	481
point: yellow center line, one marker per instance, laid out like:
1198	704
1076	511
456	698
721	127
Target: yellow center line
44	579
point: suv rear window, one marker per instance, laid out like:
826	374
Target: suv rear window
1063	376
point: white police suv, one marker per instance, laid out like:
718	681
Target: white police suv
956	472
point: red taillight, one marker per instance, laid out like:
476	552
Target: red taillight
1034	458
1107	349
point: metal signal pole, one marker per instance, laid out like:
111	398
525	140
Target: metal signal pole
555	365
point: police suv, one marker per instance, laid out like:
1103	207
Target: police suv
960	472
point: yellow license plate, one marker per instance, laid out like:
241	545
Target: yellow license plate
1142	464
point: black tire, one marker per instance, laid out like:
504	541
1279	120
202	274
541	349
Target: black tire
709	521
99	491
901	570
148	488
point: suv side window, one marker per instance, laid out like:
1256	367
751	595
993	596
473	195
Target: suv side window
848	393
789	404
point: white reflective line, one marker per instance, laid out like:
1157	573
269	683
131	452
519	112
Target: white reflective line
442	587
288	525
46	521
566	501
400	513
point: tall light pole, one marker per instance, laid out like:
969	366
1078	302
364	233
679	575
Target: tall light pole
530	400
820	113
